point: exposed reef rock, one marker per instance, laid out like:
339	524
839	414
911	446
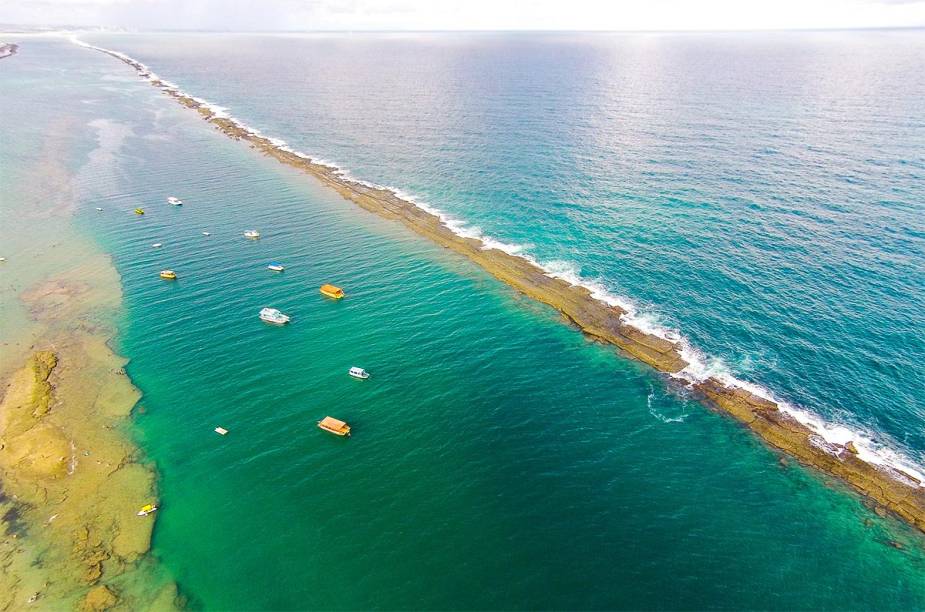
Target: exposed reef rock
71	484
29	444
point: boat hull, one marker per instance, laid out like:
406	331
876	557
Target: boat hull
336	432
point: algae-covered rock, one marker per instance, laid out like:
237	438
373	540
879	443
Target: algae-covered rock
42	363
40	452
94	562
31	445
94	572
99	598
28	394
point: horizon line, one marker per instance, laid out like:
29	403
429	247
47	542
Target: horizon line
51	29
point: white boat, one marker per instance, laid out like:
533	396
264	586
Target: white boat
272	315
157	245
98	208
174	201
358	373
276	267
252	234
206	233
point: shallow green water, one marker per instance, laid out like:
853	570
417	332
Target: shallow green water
499	460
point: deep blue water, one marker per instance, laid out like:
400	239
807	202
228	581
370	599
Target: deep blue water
763	195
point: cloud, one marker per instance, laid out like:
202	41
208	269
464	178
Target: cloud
250	15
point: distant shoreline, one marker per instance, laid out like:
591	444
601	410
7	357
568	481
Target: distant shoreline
891	488
8	49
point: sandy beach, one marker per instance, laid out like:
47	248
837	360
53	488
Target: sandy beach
888	489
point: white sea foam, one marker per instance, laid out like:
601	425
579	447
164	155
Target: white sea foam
700	367
650	403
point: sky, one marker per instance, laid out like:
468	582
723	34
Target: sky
265	15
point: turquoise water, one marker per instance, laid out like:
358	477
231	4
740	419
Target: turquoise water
499	460
760	193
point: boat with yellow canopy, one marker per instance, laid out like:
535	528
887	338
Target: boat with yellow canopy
335	426
332	292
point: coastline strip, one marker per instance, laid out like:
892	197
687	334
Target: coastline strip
8	49
898	488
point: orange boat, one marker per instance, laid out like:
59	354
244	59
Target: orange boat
334	426
332	292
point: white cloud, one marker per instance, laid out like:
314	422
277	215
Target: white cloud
468	14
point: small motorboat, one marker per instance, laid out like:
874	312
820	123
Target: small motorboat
174	201
98	208
272	315
334	426
358	373
276	267
332	292
157	245
147	509
206	233
139	211
253	234
168	274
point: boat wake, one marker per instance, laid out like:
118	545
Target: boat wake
873	449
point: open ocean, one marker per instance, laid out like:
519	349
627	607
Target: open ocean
760	195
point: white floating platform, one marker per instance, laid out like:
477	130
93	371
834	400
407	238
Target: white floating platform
221	431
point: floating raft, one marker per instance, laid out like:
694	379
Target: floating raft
335	426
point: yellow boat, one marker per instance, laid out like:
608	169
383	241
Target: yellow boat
168	274
147	509
139	211
332	292
335	426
